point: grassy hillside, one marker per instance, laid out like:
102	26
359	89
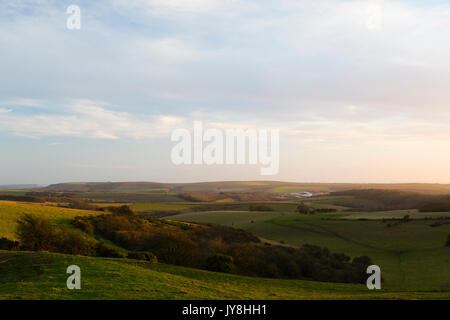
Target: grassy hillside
42	276
11	211
412	255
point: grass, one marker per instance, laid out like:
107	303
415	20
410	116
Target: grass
239	219
398	214
161	206
43	276
11	211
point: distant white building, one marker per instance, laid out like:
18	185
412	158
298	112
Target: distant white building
302	194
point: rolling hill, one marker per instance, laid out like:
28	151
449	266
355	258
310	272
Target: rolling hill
240	186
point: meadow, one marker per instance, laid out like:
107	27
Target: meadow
10	211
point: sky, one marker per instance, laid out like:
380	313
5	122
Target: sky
359	90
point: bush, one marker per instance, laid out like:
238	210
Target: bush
72	242
21	198
448	241
122	210
6	244
220	263
80	204
260	208
142	255
35	233
103	250
325	210
84	225
304	208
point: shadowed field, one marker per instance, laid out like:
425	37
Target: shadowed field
42	276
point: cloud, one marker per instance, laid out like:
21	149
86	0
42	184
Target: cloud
88	119
99	120
172	6
23	102
99	166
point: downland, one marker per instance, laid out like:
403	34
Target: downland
403	231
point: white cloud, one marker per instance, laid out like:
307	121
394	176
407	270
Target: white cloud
88	119
23	102
173	6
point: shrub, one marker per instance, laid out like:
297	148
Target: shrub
122	210
143	255
80	204
220	263
360	265
325	210
260	208
6	244
103	250
72	242
84	225
304	208
21	198
448	241
35	233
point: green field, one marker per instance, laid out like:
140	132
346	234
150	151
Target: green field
412	255
11	211
43	276
279	206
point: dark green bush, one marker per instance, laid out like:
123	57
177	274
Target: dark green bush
142	255
72	242
122	210
260	208
6	244
103	250
80	204
35	233
303	208
21	198
38	234
220	263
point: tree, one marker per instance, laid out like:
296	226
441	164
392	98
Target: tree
142	255
448	241
220	263
6	244
122	210
304	208
35	233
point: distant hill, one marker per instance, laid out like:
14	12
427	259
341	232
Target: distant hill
242	186
105	186
20	186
